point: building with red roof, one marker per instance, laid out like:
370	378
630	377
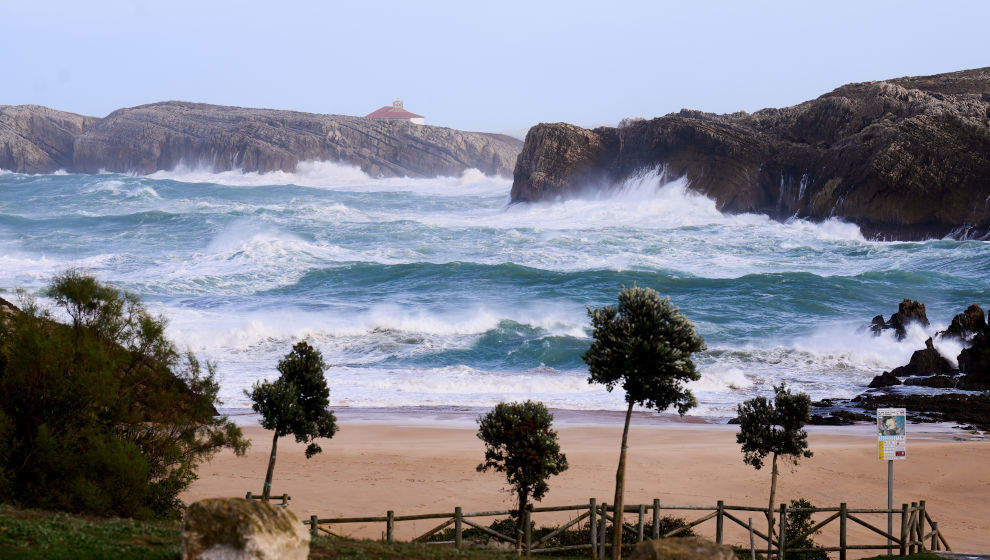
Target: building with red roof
396	113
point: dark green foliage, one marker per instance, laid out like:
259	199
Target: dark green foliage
644	346
521	443
798	522
296	403
104	416
775	428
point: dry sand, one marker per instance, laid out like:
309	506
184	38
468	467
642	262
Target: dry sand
370	468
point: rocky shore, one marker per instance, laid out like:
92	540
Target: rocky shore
161	136
907	158
959	388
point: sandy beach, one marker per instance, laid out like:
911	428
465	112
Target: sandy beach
370	468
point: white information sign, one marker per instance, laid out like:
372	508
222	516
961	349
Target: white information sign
891	434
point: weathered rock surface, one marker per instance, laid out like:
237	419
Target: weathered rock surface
967	324
682	548
926	361
885	379
161	136
909	311
35	139
239	529
907	158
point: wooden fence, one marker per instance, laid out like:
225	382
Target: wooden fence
918	531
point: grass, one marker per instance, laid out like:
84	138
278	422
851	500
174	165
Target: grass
42	535
32	534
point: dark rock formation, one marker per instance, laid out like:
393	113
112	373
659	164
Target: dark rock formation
967	324
907	312
925	362
975	361
934	381
885	379
904	159
36	139
161	136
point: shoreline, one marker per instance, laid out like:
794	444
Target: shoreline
369	468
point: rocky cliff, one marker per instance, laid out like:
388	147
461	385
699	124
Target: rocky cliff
905	159
161	136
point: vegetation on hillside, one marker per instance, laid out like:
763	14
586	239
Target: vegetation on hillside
103	415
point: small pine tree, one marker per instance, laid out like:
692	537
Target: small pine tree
798	523
774	428
296	403
644	346
520	441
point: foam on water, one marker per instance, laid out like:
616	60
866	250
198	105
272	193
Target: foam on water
439	292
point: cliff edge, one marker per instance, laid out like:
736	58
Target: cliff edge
907	158
160	136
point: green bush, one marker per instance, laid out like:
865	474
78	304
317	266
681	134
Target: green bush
102	415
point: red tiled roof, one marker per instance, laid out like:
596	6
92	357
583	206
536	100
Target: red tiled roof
388	112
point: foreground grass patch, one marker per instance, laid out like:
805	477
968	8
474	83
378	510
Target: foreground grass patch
31	534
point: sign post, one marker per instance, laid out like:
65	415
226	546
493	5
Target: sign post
891	446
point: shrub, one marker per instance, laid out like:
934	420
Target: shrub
104	415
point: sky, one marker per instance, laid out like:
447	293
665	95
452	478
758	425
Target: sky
493	66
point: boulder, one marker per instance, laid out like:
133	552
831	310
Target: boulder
934	381
975	360
925	362
682	548
967	324
909	311
240	529
885	379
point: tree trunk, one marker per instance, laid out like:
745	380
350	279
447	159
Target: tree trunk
521	521
773	493
266	492
620	488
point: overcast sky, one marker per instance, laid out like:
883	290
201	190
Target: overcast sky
497	65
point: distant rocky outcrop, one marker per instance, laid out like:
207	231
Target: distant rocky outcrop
240	529
909	311
907	158
161	136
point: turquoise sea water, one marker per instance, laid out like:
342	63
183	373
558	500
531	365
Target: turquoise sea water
439	293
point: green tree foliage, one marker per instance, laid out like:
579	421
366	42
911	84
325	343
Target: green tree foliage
776	429
643	345
799	522
103	416
296	403
520	441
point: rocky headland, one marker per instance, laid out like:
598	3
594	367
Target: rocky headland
907	158
162	136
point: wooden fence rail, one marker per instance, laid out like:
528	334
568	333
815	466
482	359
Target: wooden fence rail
913	536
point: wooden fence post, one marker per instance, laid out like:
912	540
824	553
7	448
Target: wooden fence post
248	496
719	522
458	533
593	526
642	523
752	544
913	528
529	529
842	530
656	518
782	532
904	529
921	525
390	527
602	531
313	525
935	543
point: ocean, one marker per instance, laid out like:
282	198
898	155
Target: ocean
437	294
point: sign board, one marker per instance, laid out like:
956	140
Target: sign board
891	434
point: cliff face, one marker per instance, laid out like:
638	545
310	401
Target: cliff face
36	139
905	159
160	136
